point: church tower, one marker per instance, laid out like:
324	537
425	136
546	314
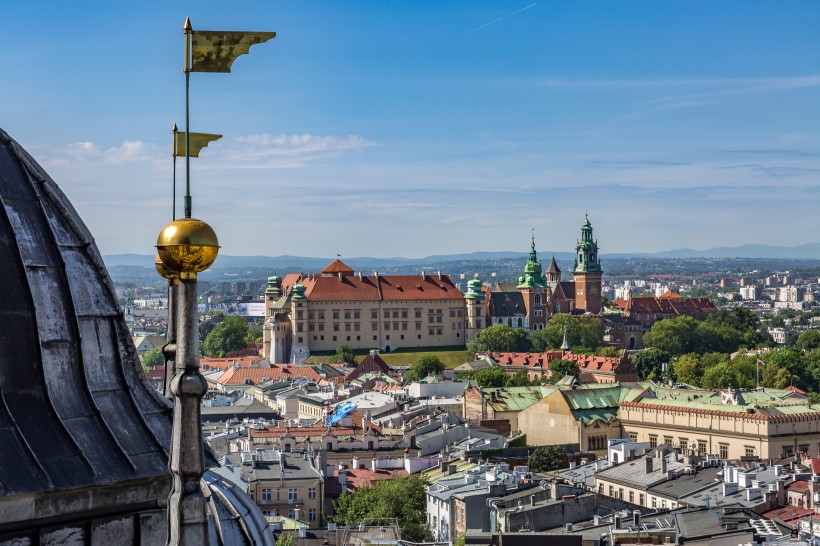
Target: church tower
587	271
475	306
533	287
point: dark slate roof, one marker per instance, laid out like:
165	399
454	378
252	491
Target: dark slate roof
82	433
508	304
77	411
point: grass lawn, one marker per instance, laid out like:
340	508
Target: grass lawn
452	358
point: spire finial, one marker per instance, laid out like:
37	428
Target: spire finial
532	243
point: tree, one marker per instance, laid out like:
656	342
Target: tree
153	357
808	340
582	332
649	362
402	498
344	355
520	379
254	333
424	366
284	540
544	459
500	337
688	369
491	377
227	336
738	373
674	336
560	368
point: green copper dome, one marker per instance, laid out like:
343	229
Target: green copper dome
299	292
474	290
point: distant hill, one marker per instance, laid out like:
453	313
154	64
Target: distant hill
304	263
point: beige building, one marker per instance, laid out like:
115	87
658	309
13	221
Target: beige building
281	484
769	423
309	313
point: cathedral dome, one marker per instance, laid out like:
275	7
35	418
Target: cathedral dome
84	439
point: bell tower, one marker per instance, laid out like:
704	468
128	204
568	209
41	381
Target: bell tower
587	271
533	287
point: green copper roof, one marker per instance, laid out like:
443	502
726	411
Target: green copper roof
474	290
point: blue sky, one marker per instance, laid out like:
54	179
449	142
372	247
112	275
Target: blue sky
428	127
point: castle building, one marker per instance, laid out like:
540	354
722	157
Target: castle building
538	295
307	313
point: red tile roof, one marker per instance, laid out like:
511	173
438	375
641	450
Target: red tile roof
237	376
364	477
815	466
670	306
670	294
787	513
337	266
590	363
374	287
800	486
209	363
795	389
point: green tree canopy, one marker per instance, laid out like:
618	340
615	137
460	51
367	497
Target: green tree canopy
344	355
649	362
153	357
808	340
491	377
500	337
227	336
675	336
559	368
544	459
519	379
583	332
402	498
424	366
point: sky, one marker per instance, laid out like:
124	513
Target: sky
412	128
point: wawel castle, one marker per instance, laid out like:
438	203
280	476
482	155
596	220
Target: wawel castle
316	312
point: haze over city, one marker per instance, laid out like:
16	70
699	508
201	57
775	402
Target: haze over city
426	128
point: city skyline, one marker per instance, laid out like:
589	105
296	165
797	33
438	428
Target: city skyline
431	128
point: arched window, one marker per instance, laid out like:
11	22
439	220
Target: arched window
537	299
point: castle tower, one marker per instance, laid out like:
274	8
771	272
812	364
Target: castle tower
475	305
553	274
298	301
533	287
587	271
272	340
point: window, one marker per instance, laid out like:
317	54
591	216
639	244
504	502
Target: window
537	299
654	502
347	315
404	326
387	314
321	327
334	338
653	441
404	313
750	451
632	497
312	514
667	440
633	436
611	491
395	325
356	315
374	314
336	314
292	494
356	326
292	513
300	315
374	326
418	326
701	447
395	313
266	495
311	315
312	493
641	499
321	315
336	327
386	326
683	444
418	313
347	326
723	451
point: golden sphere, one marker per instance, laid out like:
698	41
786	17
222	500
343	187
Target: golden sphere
163	271
187	245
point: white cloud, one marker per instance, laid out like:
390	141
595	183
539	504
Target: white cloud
84	153
287	151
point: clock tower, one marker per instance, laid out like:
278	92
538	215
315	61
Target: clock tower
587	272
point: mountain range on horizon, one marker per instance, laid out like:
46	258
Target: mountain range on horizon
809	251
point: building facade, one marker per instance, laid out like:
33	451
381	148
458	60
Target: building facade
307	312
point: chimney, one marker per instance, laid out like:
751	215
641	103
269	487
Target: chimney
663	465
648	462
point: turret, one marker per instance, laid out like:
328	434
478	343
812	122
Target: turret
475	310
